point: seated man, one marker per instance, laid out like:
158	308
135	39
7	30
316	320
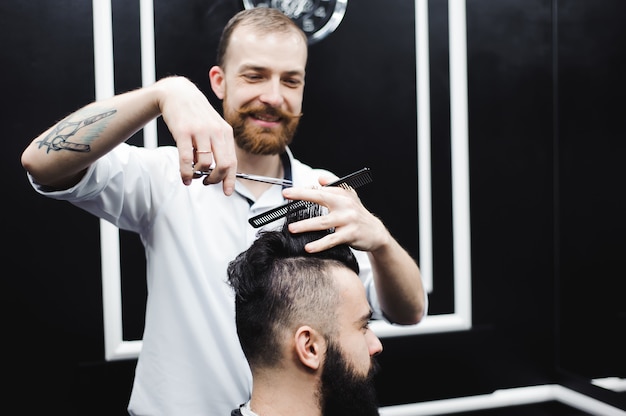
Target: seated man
302	321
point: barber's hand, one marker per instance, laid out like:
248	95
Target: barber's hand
201	134
353	223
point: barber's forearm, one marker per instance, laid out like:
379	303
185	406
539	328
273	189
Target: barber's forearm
398	284
59	156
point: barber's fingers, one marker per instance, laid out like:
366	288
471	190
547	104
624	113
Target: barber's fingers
196	126
213	150
209	146
344	207
223	158
359	229
202	162
328	196
352	223
326	179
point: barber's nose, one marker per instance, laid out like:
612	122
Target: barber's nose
272	94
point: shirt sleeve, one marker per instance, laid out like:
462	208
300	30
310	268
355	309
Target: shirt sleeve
120	186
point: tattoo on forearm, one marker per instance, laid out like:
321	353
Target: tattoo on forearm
60	137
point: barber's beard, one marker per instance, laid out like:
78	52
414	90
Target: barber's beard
260	140
343	391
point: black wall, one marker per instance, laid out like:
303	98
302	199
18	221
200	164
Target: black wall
546	131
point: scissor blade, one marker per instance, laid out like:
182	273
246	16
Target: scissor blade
258	178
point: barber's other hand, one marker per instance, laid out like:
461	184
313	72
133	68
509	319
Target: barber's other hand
202	136
353	223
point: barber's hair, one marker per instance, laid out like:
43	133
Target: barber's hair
264	20
279	287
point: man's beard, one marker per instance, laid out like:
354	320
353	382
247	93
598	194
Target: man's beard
259	140
343	391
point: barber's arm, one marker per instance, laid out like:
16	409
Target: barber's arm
397	276
59	157
398	283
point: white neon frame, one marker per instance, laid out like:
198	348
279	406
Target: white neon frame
505	398
116	348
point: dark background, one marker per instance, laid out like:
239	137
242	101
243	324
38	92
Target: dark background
546	142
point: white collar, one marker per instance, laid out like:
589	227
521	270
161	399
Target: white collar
246	411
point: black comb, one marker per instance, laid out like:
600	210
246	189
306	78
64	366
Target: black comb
354	180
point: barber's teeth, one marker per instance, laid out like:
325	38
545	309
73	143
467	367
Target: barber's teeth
267	118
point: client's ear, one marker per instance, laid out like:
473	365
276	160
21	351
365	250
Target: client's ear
310	347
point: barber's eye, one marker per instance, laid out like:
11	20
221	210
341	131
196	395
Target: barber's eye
293	82
252	77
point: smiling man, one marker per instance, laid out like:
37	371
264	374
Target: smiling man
191	362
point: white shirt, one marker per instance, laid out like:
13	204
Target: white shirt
191	363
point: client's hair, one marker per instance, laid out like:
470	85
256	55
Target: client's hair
279	286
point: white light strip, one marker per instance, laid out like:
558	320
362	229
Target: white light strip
586	403
431	324
148	63
500	398
461	319
424	173
103	49
459	137
109	234
611	383
505	398
117	348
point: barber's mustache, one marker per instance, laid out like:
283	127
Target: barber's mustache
267	110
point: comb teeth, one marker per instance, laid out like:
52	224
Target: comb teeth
353	180
358	181
277	213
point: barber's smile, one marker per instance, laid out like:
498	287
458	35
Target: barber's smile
266	120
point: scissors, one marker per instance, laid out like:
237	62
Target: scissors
258	178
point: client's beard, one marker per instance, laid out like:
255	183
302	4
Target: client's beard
259	140
343	391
